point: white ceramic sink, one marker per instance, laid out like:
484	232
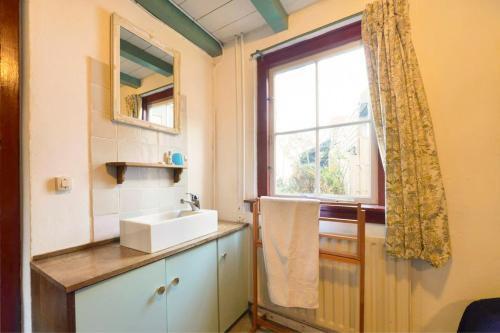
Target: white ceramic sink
156	232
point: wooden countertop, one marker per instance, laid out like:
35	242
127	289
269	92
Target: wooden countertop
82	268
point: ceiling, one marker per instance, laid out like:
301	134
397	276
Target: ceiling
226	18
133	68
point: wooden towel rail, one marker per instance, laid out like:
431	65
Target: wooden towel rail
358	259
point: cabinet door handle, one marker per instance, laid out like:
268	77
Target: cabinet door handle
175	281
224	255
161	290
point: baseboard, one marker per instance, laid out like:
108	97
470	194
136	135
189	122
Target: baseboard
292	323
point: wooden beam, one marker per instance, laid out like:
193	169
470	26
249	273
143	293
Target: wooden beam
141	57
273	12
130	81
169	14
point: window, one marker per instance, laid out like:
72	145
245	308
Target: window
321	138
314	130
158	106
162	112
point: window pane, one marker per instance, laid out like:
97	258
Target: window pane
345	160
343	88
295	163
162	113
295	99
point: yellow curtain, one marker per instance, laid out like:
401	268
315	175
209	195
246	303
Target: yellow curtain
134	106
416	213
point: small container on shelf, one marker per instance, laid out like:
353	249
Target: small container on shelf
167	157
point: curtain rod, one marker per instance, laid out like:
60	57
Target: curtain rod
308	35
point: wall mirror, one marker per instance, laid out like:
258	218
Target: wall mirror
145	79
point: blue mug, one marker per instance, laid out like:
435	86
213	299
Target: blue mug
177	159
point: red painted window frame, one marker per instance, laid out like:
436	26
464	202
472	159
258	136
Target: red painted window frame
329	40
156	97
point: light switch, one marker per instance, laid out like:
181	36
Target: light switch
63	184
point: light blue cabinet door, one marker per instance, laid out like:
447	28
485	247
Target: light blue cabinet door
192	290
233	277
125	303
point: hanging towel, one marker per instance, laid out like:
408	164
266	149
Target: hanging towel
290	240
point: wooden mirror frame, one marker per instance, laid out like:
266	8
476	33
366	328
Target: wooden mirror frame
116	23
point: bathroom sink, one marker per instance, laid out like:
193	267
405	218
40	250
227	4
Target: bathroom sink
156	232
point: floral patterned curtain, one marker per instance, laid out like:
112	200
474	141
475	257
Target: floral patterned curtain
134	106
416	214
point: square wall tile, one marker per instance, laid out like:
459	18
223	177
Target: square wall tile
103	177
149	153
129	133
100	99
149	136
178	141
103	151
150	198
106	226
130	200
133	179
151	177
100	73
130	151
169	198
135	200
105	201
103	126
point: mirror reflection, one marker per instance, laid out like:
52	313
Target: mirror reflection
146	81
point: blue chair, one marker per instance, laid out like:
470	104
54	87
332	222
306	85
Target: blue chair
481	316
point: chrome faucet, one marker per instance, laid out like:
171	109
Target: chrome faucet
194	202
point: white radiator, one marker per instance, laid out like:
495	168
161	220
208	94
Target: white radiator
387	293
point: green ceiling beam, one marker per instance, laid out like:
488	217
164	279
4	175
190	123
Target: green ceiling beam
169	14
130	81
273	12
141	57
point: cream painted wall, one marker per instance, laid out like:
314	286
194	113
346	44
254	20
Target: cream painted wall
458	48
61	38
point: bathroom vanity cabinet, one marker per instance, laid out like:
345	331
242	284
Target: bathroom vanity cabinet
233	271
201	286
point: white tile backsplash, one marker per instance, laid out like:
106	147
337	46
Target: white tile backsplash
130	133
149	153
106	226
106	201
150	198
103	150
130	151
144	191
152	177
149	137
170	198
102	126
130	200
133	179
100	99
100	73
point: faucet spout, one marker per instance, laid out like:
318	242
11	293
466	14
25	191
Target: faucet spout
194	205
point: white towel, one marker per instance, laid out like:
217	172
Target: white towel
290	238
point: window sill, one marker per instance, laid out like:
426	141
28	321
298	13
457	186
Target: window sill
374	213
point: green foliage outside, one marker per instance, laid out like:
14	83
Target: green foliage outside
332	171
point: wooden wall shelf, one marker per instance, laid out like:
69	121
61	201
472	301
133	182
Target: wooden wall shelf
121	168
